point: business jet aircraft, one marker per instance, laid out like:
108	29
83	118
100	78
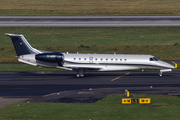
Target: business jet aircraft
84	62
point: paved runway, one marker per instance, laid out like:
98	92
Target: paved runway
65	87
88	21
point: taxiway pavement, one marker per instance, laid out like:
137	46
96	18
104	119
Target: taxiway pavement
63	86
88	21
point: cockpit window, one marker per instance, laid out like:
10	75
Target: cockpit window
153	59
156	59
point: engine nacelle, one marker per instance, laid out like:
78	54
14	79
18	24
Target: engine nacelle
51	57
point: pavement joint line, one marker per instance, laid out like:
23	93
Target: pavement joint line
120	76
5	79
49	94
85	92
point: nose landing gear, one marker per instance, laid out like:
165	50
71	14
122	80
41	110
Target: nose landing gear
164	70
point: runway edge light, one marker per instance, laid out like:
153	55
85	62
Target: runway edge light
126	93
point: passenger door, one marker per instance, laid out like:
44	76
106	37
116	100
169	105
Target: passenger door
90	59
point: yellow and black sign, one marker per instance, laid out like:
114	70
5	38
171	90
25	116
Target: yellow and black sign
126	100
136	101
144	100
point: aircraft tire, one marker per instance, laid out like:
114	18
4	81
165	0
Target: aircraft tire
77	75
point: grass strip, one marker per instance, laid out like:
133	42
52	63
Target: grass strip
88	8
162	42
73	36
162	107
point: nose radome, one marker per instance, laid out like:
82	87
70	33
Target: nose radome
168	65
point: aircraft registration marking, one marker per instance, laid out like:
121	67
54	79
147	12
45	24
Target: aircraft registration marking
120	76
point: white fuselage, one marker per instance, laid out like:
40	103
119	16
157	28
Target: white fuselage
101	62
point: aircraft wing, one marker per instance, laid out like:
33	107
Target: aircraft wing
84	67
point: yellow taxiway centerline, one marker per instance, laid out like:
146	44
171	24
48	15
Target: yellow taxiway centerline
119	77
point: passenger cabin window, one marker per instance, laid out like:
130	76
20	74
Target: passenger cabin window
120	59
74	58
84	58
79	58
96	59
106	59
101	59
125	59
111	59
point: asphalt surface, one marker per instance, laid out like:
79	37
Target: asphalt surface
88	21
65	87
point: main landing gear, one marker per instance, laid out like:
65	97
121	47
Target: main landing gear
80	73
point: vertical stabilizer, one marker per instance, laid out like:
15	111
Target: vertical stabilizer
21	45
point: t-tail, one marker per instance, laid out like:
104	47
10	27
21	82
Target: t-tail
21	45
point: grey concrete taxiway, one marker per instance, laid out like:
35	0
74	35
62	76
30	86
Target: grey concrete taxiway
88	21
65	87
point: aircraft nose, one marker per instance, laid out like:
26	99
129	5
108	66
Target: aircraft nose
168	65
172	67
165	65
